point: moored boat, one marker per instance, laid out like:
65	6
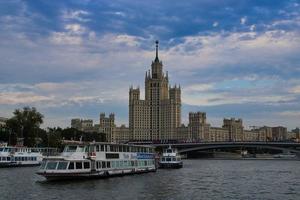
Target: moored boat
286	156
11	156
95	160
170	159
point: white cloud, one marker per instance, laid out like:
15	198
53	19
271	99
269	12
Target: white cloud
243	20
79	15
295	21
198	87
13	98
75	29
215	24
49	94
117	13
223	98
252	27
65	38
73	35
295	89
232	49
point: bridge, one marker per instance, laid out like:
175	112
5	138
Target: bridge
292	147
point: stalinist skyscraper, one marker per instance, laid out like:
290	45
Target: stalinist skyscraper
158	116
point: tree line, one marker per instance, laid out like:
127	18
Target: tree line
25	124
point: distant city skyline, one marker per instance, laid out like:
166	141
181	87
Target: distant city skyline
76	59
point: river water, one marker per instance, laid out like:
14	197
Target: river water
198	179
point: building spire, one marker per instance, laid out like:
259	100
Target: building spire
156	58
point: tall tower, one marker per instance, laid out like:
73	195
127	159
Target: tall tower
157	116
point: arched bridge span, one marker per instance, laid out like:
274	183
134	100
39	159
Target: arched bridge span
189	147
237	146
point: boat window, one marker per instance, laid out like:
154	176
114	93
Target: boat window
112	148
71	165
163	159
43	165
174	159
4	158
71	148
113	164
168	159
145	163
108	164
91	148
103	164
169	150
1	149
98	165
112	155
8	158
62	165
78	165
86	165
97	148
80	149
51	165
102	147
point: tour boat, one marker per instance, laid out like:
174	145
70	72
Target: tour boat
11	156
95	160
285	156
170	159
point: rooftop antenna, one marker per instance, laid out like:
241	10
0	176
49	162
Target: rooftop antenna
156	58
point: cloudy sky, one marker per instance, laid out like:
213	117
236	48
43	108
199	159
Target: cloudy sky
77	58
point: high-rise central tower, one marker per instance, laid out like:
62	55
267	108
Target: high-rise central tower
158	116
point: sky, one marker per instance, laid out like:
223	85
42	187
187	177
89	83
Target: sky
78	58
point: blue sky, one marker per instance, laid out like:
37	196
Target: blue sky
77	58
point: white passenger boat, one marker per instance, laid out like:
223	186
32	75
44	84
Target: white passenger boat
285	156
94	160
170	159
11	156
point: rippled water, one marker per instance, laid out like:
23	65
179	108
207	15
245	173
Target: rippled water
199	179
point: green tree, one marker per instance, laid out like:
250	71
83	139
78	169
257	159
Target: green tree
54	138
25	124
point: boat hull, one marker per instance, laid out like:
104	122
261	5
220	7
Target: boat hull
176	165
91	175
